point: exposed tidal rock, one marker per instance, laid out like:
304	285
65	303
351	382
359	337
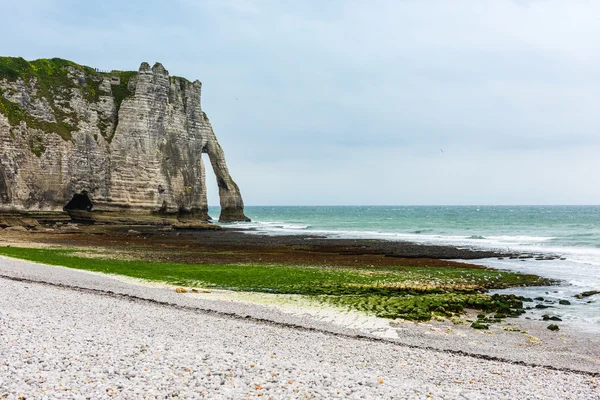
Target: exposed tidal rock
587	294
120	142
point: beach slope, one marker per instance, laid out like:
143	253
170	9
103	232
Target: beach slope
78	334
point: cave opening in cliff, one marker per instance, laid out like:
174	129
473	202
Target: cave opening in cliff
79	202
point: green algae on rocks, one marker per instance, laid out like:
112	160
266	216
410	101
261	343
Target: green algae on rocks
424	307
411	293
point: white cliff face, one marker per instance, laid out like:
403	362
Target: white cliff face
132	142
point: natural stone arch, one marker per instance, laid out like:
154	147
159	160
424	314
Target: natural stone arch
142	155
232	205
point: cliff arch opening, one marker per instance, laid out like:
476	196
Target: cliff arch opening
79	202
211	188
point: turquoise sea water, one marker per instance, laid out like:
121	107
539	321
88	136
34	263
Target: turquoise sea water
548	226
573	232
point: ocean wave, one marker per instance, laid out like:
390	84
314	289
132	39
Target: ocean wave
268	225
580	235
420	236
586	253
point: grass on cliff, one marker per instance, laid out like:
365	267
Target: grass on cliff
54	85
406	292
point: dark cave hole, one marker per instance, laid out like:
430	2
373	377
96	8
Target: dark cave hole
163	209
80	201
221	183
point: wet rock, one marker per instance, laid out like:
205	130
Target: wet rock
564	302
547	317
479	325
587	294
16	228
195	226
553	327
526	299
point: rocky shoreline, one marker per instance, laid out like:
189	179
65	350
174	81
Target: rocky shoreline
223	344
78	334
208	243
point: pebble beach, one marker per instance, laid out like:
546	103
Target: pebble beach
78	335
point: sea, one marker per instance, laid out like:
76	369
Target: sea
570	232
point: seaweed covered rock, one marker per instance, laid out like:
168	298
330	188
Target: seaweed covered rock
424	307
116	142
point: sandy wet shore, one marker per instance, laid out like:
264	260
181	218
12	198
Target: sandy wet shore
74	333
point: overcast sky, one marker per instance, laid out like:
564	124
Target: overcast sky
363	102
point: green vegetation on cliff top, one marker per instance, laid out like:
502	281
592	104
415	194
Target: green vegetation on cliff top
55	81
414	293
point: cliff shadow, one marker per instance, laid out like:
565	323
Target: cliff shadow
4	194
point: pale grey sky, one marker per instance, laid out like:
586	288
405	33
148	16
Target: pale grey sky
351	102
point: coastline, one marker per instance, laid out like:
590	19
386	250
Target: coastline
124	339
229	246
518	341
225	243
440	357
106	339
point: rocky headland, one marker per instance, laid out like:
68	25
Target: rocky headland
102	145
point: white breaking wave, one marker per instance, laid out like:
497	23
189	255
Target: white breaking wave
267	227
488	242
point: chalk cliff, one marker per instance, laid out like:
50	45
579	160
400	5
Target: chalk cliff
121	141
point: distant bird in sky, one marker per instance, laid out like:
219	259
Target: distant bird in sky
441	150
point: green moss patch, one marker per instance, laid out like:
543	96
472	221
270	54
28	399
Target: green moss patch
120	92
36	145
423	307
55	84
16	114
390	292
